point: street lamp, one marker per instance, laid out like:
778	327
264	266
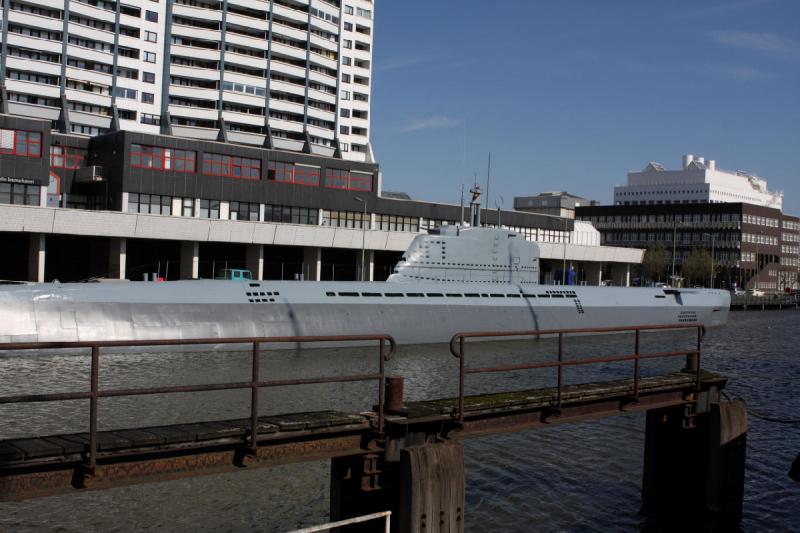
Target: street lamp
564	264
363	236
711	276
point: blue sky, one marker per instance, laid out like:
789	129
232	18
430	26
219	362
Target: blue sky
571	95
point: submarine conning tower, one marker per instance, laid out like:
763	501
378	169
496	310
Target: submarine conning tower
469	254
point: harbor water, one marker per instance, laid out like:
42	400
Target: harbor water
574	477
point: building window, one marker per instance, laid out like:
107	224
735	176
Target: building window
291	173
209	208
151	36
348	10
148	98
291	215
159	158
122	92
345	78
22	143
147	118
345	219
152	204
344	112
64	157
347	60
148	77
343	179
150	57
231	167
397	223
243	211
14	193
344	130
187	207
347	43
151	16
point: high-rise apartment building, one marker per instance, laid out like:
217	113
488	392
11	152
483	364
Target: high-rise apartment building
281	74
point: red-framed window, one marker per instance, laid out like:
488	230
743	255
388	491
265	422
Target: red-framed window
159	158
291	173
21	143
231	167
65	157
360	181
336	178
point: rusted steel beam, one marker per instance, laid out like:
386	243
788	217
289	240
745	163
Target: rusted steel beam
46	480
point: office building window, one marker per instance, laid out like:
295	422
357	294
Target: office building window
231	167
397	223
243	211
343	179
151	36
21	143
14	193
159	158
64	157
152	204
345	219
150	57
291	173
148	98
187	207
151	16
291	215
209	208
148	77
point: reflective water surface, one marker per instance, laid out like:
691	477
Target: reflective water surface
576	477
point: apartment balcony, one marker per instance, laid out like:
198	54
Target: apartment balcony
194	73
321	132
282	30
261	24
245	60
194	132
292	14
195	52
324	61
244	99
199	13
245	40
89	54
79	8
97	78
90	119
330	116
324	25
35	21
27	87
289	51
321	78
194	92
286	125
261	5
87	32
250	119
324	43
40	67
136	42
286	68
322	96
286	106
195	113
291	88
24	41
286	144
192	32
86	97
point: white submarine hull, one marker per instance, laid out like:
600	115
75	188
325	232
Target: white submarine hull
411	313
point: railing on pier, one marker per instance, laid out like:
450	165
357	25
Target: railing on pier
458	349
255	383
385	515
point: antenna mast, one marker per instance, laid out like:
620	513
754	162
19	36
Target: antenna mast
488	176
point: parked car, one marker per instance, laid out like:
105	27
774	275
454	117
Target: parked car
755	292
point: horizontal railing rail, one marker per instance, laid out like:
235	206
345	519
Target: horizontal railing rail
255	384
458	349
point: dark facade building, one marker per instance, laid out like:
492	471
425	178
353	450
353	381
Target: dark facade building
752	246
216	203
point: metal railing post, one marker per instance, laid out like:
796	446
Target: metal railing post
381	387
461	380
93	409
636	365
254	382
560	368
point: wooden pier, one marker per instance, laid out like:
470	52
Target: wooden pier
406	457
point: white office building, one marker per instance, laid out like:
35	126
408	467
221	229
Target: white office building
283	74
698	181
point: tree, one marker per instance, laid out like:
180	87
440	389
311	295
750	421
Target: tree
654	262
697	267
